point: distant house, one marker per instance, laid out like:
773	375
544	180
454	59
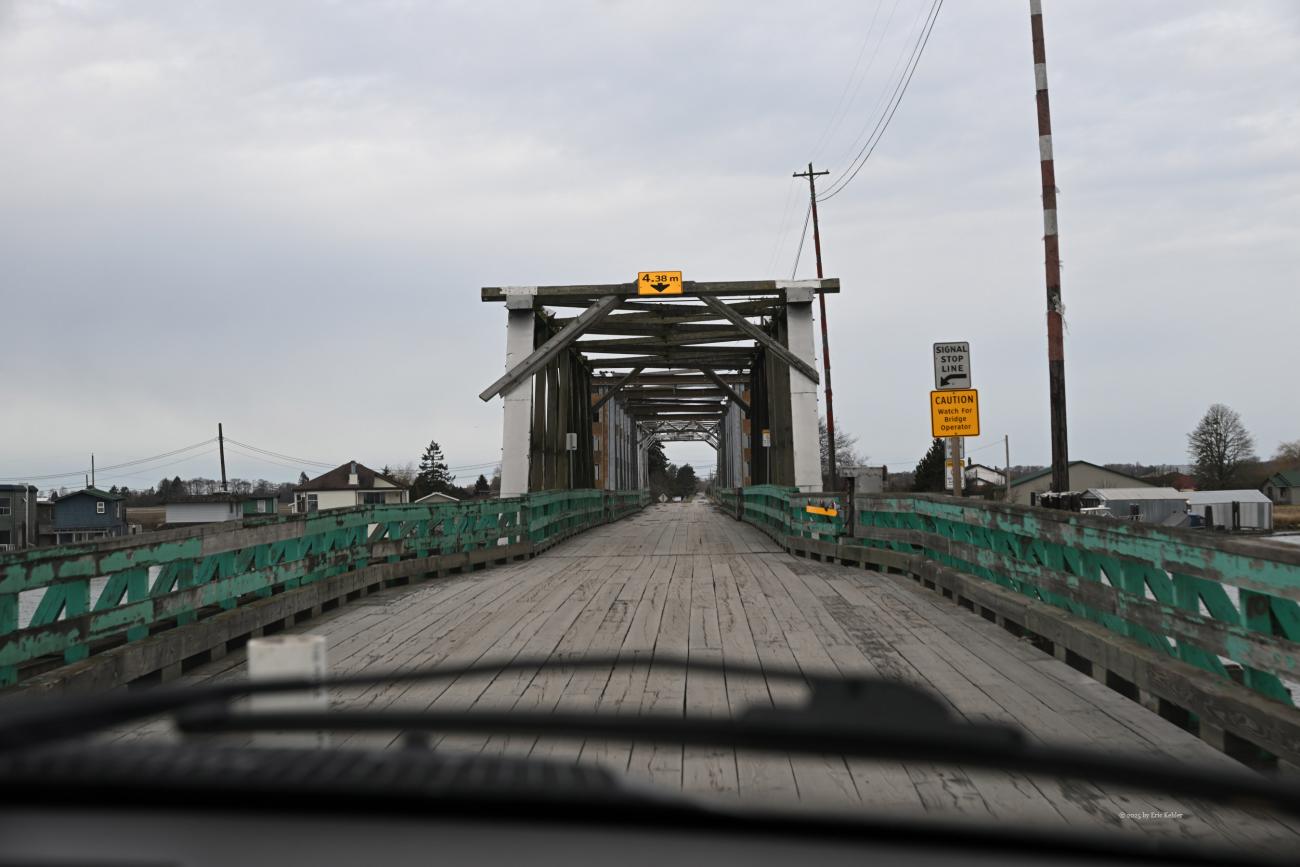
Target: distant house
977	478
438	497
89	514
210	508
1083	476
1283	488
18	517
348	485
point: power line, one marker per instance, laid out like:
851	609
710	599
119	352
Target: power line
293	458
240	451
900	91
802	237
786	210
837	116
123	465
890	81
142	474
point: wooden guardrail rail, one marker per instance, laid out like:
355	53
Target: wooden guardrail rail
101	614
1203	628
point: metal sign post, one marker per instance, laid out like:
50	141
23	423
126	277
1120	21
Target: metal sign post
570	446
954	405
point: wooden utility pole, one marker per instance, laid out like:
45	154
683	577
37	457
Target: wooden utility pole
1006	474
221	447
832	466
1051	245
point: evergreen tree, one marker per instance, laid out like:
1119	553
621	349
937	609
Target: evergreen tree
302	479
685	484
659	471
482	487
433	476
929	470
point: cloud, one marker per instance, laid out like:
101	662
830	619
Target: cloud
279	215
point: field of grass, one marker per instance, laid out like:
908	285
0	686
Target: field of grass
148	517
1286	517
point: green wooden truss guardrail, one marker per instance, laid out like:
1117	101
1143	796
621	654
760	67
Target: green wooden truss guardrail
1200	597
95	596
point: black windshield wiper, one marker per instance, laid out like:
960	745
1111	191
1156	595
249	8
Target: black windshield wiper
858	717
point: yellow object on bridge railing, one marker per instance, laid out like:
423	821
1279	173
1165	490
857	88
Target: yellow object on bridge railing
63	604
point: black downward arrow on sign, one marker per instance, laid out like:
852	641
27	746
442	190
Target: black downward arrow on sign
659	287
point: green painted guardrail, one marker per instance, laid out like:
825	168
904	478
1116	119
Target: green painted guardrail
95	596
1199	597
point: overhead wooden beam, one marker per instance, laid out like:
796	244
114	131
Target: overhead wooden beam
766	340
731	392
700	289
660	313
614	389
542	355
671	337
675	379
726	362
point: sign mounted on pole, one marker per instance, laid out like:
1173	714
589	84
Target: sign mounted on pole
955	413
659	283
767	438
952	365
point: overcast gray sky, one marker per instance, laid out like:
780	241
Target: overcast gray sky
278	215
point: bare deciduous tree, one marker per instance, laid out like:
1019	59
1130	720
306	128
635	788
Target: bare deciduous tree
1288	453
1220	447
845	450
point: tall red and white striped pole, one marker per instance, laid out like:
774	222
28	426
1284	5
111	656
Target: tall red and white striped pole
1051	245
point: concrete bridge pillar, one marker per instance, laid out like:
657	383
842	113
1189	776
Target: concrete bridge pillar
803	391
517	427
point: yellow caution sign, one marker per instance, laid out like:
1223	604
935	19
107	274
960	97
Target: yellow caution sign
659	283
955	412
821	510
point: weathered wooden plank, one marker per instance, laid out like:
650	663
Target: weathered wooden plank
689	288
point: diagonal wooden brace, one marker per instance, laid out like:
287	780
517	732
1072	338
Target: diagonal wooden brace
764	339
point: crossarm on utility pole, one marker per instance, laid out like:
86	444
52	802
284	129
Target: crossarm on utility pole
542	355
764	339
616	387
722	384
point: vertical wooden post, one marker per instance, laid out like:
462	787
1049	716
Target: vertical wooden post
1052	250
954	445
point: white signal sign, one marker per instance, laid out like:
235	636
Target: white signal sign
952	365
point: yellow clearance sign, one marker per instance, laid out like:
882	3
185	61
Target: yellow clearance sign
659	283
955	412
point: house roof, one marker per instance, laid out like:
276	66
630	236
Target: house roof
1047	472
438	496
1138	493
1203	498
97	493
1290	478
337	479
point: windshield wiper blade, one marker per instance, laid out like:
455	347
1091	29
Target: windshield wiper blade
29	720
860	717
792	730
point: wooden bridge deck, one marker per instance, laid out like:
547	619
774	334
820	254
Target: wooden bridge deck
687	580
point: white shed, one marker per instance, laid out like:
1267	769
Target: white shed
1254	509
1148	505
